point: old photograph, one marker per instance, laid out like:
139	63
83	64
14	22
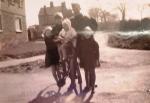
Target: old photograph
74	51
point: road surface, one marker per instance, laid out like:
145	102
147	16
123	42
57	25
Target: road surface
124	77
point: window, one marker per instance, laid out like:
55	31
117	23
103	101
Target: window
11	2
21	3
18	25
2	0
1	27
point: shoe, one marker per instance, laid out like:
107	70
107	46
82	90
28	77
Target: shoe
70	89
86	89
61	83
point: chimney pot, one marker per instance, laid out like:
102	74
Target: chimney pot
51	4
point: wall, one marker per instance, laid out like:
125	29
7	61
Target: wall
9	36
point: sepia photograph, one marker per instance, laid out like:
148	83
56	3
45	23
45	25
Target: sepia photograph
74	51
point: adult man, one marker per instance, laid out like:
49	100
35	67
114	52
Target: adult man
78	20
85	47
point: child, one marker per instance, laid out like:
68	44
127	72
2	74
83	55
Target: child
67	43
66	36
52	54
88	54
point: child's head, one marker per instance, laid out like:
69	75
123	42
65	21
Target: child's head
58	18
47	31
66	24
87	33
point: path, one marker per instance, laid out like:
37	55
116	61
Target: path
123	78
14	62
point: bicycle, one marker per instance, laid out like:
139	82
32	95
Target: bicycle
64	69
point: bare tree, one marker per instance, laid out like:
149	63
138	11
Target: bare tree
107	16
122	8
101	15
94	13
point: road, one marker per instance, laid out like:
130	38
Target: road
123	78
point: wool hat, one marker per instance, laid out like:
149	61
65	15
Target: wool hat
59	15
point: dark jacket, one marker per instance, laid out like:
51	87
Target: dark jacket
87	52
49	41
87	49
52	55
79	22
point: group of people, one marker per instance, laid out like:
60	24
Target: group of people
73	37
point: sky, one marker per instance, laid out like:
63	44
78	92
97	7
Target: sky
133	7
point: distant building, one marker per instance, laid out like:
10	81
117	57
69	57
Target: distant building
12	16
46	14
12	19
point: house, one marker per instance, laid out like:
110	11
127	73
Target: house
46	14
12	21
46	17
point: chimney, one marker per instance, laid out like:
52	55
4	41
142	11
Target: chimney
51	4
63	5
45	12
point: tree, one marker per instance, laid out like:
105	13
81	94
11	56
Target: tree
94	13
122	8
101	15
107	16
141	9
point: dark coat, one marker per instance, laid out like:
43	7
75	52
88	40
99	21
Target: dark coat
52	55
88	52
79	22
87	49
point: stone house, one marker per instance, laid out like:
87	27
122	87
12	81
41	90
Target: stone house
46	14
46	17
12	21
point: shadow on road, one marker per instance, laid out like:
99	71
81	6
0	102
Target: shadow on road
83	100
54	97
46	97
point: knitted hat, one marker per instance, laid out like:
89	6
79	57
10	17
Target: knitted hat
87	32
59	15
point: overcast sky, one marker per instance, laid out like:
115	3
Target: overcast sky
33	6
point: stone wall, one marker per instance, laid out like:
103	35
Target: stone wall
11	39
15	9
9	36
8	22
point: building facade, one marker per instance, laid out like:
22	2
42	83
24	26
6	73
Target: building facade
46	14
12	20
12	16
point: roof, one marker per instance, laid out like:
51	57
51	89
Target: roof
53	10
49	10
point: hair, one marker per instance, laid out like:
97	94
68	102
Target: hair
76	5
67	21
59	15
